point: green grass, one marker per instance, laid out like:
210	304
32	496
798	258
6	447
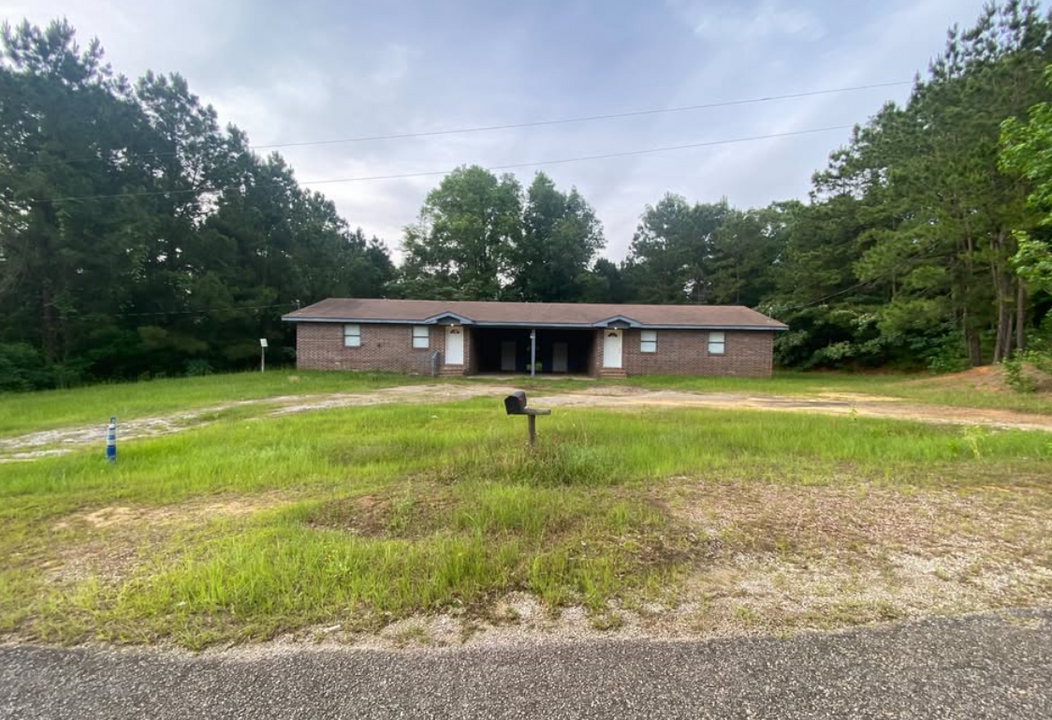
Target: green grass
29	412
375	513
475	440
22	413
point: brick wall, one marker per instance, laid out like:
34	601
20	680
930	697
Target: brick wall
595	353
319	346
747	353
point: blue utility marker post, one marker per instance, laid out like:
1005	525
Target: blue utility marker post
111	441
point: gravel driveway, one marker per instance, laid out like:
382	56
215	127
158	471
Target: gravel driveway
982	666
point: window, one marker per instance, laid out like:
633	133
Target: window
420	339
648	341
352	335
717	343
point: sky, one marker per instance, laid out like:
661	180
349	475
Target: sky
288	72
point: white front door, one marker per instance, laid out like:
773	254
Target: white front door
612	349
559	357
455	345
507	356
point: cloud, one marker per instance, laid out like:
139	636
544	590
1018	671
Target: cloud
770	19
393	66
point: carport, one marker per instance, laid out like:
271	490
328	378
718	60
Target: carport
559	351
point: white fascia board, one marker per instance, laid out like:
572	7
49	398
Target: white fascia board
459	318
619	318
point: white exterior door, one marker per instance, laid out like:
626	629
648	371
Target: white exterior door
455	345
612	349
507	356
559	357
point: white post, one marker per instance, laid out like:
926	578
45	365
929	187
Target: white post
262	355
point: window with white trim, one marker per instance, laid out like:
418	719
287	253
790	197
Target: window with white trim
420	336
648	341
717	343
352	335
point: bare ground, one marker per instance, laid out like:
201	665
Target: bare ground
59	441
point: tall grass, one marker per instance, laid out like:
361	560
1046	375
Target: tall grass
355	447
393	510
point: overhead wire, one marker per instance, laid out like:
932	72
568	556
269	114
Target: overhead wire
527	124
508	166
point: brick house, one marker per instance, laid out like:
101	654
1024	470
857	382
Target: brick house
441	337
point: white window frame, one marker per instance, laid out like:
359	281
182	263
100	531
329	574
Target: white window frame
352	335
421	337
717	343
648	340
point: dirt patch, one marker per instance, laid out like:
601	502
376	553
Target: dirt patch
402	512
119	515
988	378
804	558
64	440
107	544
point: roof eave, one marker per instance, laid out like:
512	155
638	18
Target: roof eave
578	326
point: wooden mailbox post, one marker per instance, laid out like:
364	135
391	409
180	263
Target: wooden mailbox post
515	404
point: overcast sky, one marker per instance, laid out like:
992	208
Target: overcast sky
300	71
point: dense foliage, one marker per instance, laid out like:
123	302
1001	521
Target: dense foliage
138	236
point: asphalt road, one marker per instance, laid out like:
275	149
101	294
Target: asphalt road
987	666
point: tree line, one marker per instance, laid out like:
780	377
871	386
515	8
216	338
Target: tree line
138	236
924	243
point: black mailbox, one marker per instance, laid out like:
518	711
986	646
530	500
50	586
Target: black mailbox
515	404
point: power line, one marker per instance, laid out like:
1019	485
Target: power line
864	283
535	123
510	166
202	312
586	118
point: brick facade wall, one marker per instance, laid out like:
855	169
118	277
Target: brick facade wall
747	353
319	346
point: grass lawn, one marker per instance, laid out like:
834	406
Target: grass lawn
22	413
361	517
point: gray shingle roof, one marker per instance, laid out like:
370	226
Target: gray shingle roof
533	314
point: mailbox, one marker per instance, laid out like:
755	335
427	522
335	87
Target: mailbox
515	404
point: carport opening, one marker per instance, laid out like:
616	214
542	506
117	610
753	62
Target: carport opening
507	350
